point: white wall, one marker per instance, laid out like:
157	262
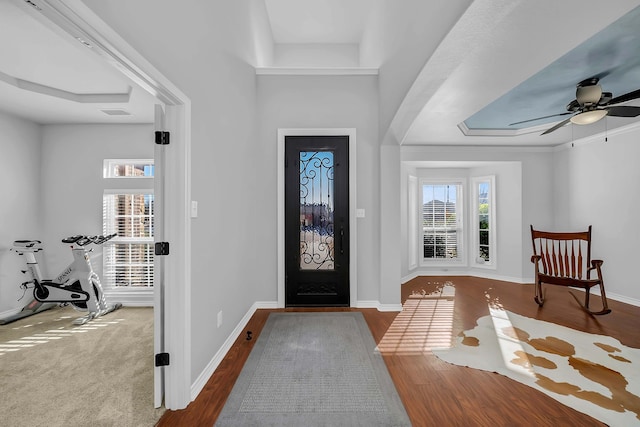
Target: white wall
598	184
400	40
319	102
524	196
511	244
208	49
508	191
20	142
72	182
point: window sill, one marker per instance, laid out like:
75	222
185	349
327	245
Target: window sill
484	266
442	263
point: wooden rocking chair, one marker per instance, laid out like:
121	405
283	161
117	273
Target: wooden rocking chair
559	260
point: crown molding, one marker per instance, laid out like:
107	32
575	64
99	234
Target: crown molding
309	71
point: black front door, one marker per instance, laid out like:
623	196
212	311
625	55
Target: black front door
317	220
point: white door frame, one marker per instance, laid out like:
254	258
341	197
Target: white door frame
353	226
77	20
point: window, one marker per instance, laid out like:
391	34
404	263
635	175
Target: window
442	221
120	168
484	221
128	257
412	198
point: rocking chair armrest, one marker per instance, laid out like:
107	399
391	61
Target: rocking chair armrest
595	265
535	258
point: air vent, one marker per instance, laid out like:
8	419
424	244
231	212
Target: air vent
84	42
33	5
116	112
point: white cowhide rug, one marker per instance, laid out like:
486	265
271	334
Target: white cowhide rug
593	374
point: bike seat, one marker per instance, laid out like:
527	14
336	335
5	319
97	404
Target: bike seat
26	243
72	239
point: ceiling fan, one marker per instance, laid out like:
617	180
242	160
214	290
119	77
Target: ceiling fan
592	104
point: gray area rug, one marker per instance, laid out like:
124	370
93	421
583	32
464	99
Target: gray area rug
314	369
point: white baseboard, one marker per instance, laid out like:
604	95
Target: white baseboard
410	276
127	297
130	297
486	274
594	290
208	371
10	312
622	298
617	297
204	376
377	305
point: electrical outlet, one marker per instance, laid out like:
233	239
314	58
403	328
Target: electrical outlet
219	318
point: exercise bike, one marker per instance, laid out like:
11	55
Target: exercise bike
77	285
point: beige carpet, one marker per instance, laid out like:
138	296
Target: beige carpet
593	374
54	373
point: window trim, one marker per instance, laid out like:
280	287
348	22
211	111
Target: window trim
413	221
107	281
461	232
475	227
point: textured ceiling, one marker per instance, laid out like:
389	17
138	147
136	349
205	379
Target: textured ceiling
612	54
314	21
503	61
48	77
510	43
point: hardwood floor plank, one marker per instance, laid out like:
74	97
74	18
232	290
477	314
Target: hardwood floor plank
435	392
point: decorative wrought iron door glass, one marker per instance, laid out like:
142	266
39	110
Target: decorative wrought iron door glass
316	210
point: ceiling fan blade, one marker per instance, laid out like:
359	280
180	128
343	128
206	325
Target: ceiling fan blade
624	111
539	118
605	99
626	97
558	126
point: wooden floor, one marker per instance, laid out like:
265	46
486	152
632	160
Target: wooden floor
435	393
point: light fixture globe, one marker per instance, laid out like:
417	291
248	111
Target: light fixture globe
588	117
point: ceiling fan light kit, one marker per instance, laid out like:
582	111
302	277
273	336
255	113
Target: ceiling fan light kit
592	104
588	117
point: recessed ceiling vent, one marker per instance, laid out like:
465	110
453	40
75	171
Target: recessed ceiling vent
33	5
116	112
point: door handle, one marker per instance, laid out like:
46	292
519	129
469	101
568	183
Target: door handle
341	240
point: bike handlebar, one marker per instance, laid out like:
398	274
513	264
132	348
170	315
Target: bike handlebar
98	240
82	240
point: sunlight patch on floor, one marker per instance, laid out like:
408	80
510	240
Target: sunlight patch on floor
426	322
509	345
32	339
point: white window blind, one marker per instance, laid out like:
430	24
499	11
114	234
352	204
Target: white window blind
441	221
128	257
